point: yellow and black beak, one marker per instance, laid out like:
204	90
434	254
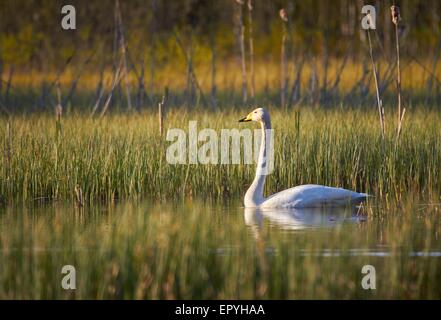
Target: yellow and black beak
246	119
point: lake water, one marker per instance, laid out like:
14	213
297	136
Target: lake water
201	249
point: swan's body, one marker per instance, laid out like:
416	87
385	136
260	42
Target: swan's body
310	196
305	196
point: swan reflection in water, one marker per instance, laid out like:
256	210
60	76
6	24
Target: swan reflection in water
300	219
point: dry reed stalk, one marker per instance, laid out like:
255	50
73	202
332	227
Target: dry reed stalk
161	111
9	82
313	83
190	68
213	71
75	81
100	85
296	86
142	93
283	65
141	88
377	90
241	36
97	103
56	82
251	49
79	196
152	47
190	83
58	110
58	107
396	18
8	156
99	92
8	146
334	87
116	79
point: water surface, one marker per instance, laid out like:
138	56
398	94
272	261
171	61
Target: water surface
201	249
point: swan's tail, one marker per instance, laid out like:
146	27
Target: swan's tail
360	197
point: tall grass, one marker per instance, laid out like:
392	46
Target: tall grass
123	156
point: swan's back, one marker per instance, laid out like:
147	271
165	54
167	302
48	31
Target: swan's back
311	196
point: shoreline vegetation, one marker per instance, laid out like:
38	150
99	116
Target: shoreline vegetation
123	156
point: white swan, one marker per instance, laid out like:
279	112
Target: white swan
305	196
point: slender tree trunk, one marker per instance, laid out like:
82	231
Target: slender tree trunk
99	94
191	73
1	77
9	85
161	111
432	74
283	80
396	17
387	31
294	96
398	76
379	102
116	79
241	36
313	82
251	49
324	89
124	54
58	111
213	70
152	70
283	57
152	48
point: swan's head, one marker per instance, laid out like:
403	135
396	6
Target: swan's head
258	115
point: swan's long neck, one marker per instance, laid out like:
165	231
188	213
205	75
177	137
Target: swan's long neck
254	195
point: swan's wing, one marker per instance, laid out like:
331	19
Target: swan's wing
309	196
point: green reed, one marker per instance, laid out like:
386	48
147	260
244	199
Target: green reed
124	156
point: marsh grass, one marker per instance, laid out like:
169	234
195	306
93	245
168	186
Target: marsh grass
123	156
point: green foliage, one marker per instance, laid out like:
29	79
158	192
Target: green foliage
312	24
19	49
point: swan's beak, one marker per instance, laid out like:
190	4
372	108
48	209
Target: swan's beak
246	119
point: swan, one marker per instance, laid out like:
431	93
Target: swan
304	196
